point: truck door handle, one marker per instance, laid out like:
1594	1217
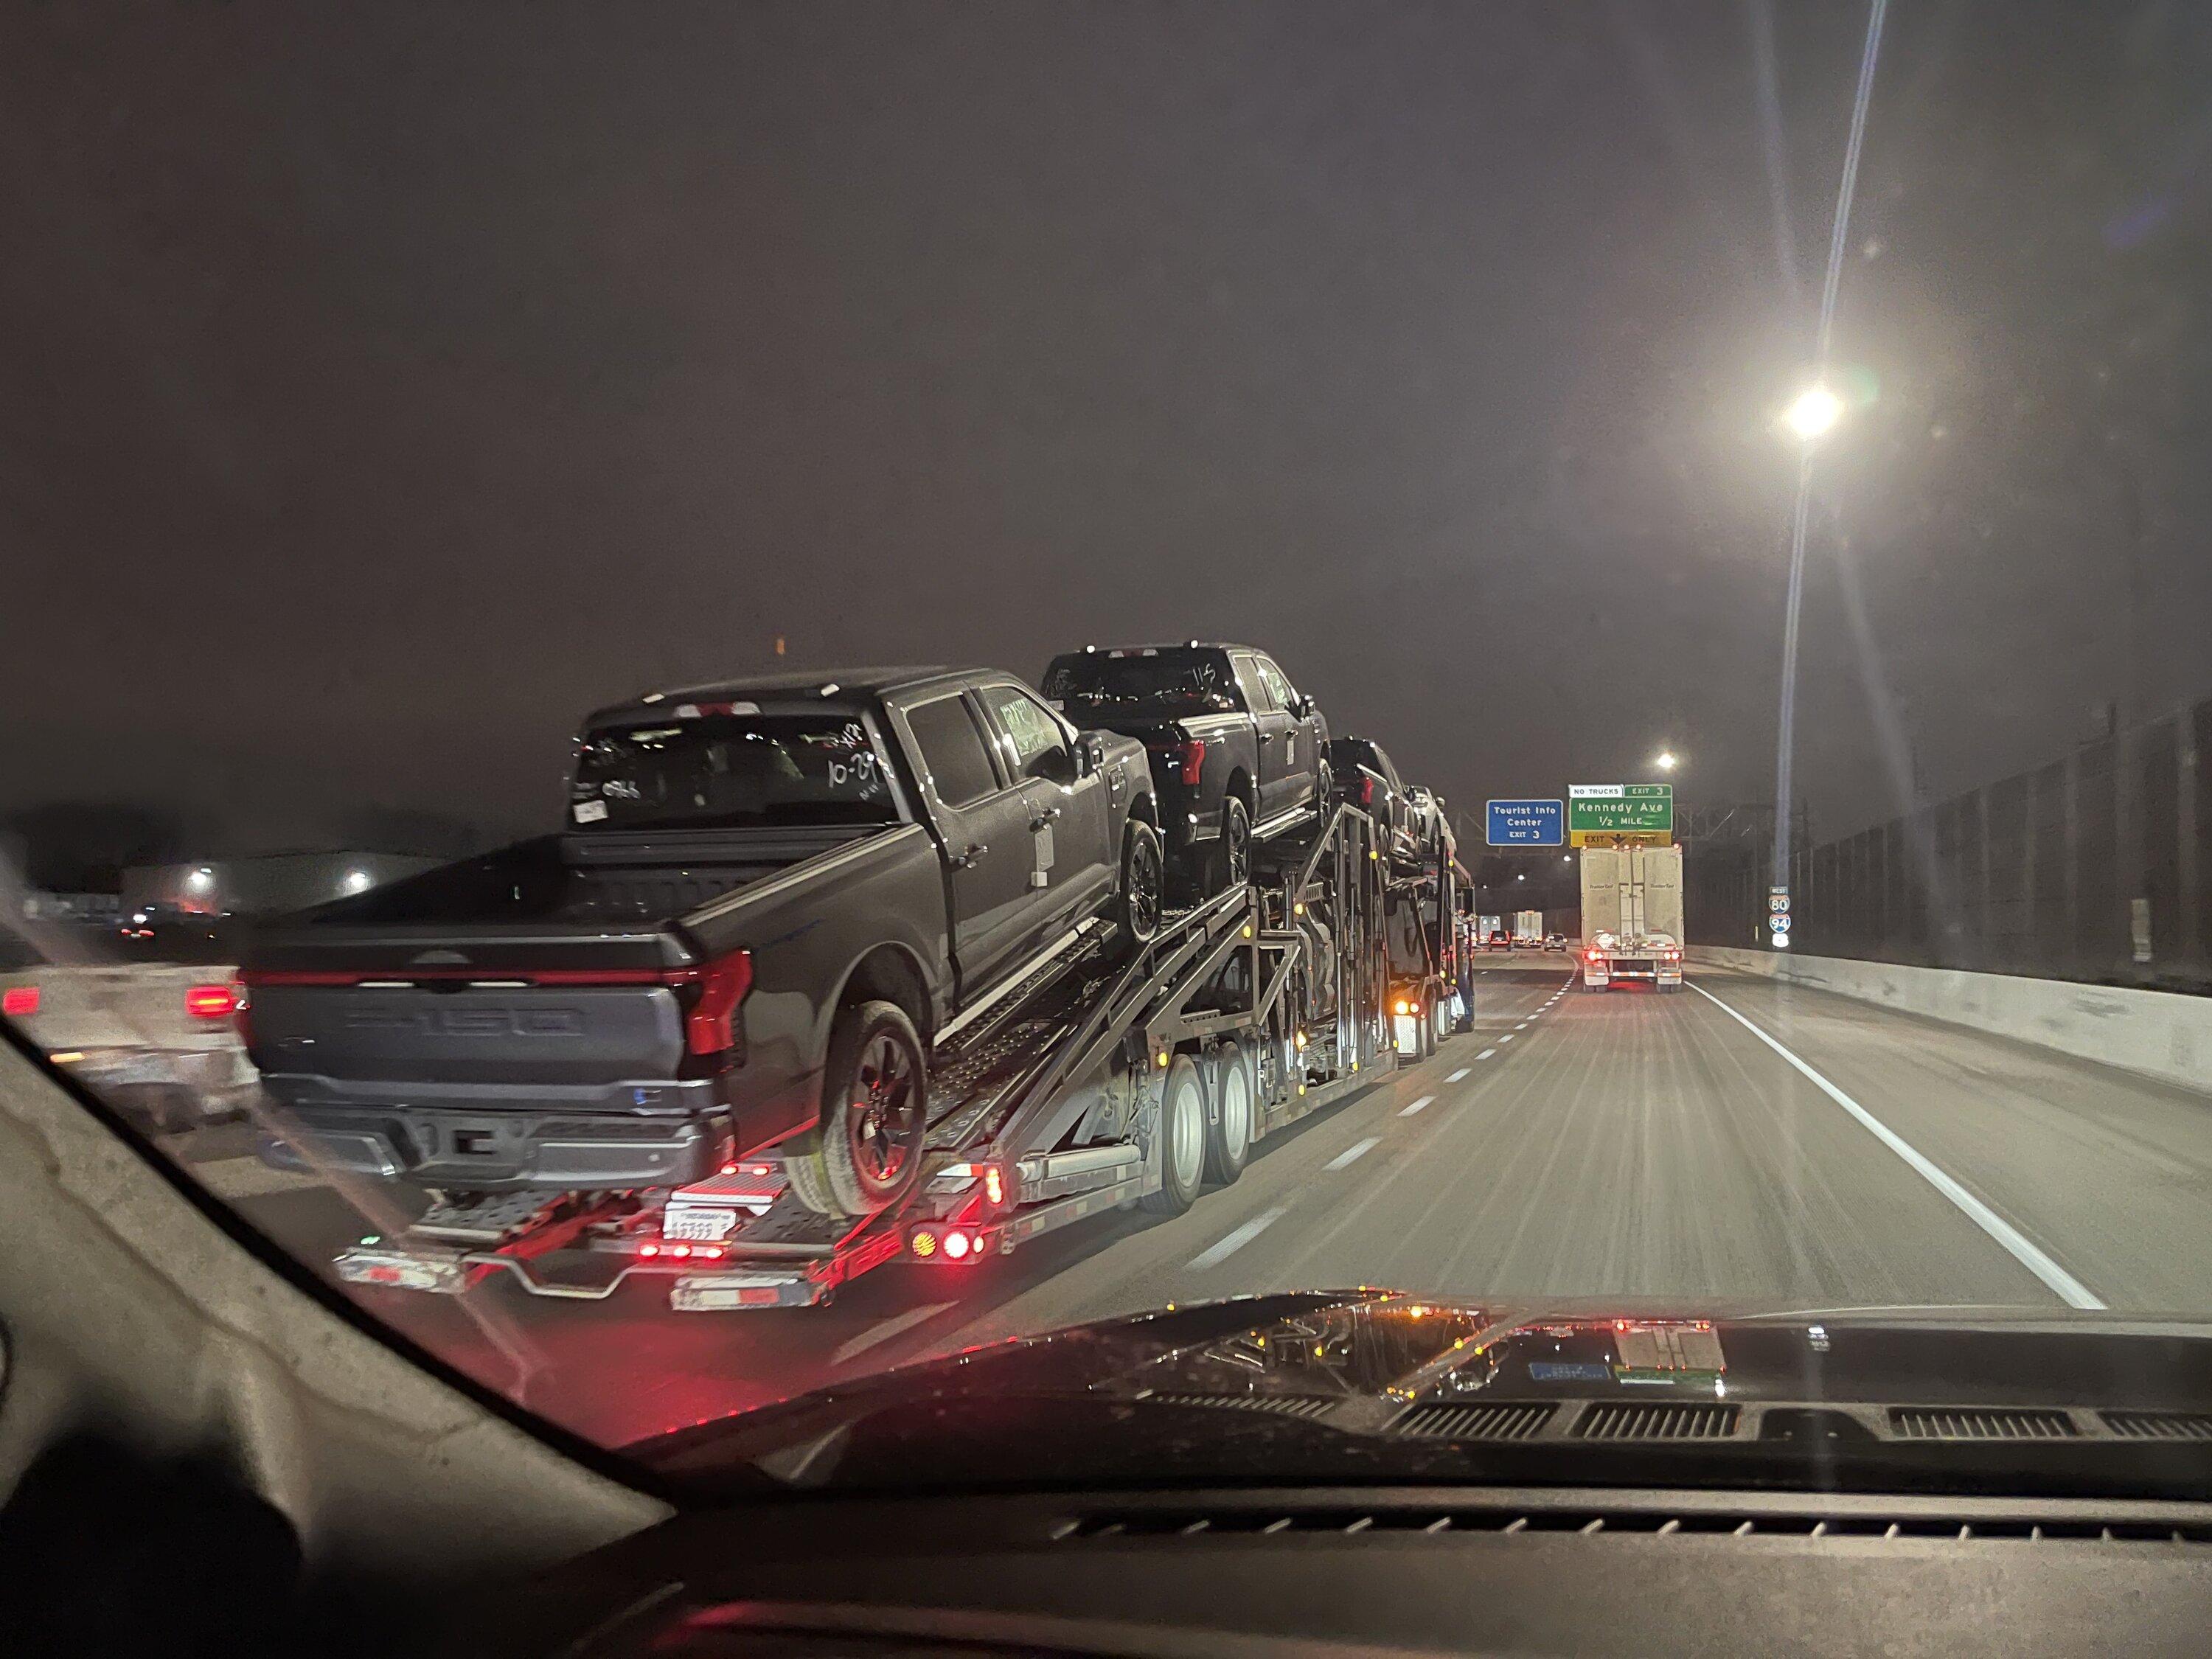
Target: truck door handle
1045	815
966	857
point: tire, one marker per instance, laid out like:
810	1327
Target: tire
1181	1133
865	1156
1137	893
1236	1098
1229	864
802	1167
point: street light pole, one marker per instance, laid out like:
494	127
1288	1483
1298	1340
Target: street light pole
1814	412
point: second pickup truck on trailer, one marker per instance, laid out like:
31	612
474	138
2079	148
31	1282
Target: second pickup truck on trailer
774	900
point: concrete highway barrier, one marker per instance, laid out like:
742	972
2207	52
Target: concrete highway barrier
2158	1034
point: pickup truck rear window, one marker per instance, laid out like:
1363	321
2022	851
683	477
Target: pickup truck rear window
1175	682
731	771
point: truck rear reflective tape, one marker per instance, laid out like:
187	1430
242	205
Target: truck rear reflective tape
19	1002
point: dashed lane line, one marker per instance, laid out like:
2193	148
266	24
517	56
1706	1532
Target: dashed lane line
1456	1076
1352	1155
1234	1242
1407	1111
1486	1054
2069	1289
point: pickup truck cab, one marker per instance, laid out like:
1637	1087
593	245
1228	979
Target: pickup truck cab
1237	752
771	899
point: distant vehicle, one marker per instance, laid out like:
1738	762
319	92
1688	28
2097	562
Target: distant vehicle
1499	939
1529	928
1555	941
772	898
1366	779
1632	916
1238	752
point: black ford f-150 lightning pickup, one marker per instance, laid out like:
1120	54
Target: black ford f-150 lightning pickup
772	898
1237	752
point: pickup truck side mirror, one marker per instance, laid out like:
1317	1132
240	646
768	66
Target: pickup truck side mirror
1303	707
1090	754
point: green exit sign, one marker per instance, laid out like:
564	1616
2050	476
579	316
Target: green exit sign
1620	809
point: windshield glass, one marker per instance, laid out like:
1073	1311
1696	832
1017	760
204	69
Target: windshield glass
730	771
1675	785
1153	683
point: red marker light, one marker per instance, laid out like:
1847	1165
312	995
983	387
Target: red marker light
211	1002
19	1001
710	1029
649	1249
679	1251
957	1245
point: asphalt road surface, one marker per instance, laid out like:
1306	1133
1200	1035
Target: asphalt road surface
1738	1142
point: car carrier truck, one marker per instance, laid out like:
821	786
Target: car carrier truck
1632	916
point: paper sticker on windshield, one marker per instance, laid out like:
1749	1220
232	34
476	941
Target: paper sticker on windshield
590	811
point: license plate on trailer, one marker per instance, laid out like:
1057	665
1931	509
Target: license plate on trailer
727	1293
697	1221
398	1272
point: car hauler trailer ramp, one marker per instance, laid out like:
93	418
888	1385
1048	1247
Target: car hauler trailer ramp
1107	1076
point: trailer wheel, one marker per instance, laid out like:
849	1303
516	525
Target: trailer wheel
1229	1137
1183	1141
866	1154
1137	896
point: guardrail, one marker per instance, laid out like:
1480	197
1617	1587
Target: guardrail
2158	1034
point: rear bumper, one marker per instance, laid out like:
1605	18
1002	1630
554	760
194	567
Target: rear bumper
497	1139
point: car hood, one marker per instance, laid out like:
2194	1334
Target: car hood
1373	1385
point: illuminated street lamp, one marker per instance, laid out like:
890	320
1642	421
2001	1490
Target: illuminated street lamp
1666	760
1814	414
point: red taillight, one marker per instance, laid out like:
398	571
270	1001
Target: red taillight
1192	757
19	1002
957	1244
211	1002
711	1026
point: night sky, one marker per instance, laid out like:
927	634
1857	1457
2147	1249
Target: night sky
382	386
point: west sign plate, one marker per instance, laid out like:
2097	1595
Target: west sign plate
1526	824
1620	809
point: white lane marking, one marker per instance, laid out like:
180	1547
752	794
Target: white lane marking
883	1333
1508	1038
2068	1288
1352	1155
1218	1254
1523	1026
1425	1100
1456	1076
1486	1054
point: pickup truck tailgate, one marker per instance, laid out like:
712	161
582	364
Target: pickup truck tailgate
466	1032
